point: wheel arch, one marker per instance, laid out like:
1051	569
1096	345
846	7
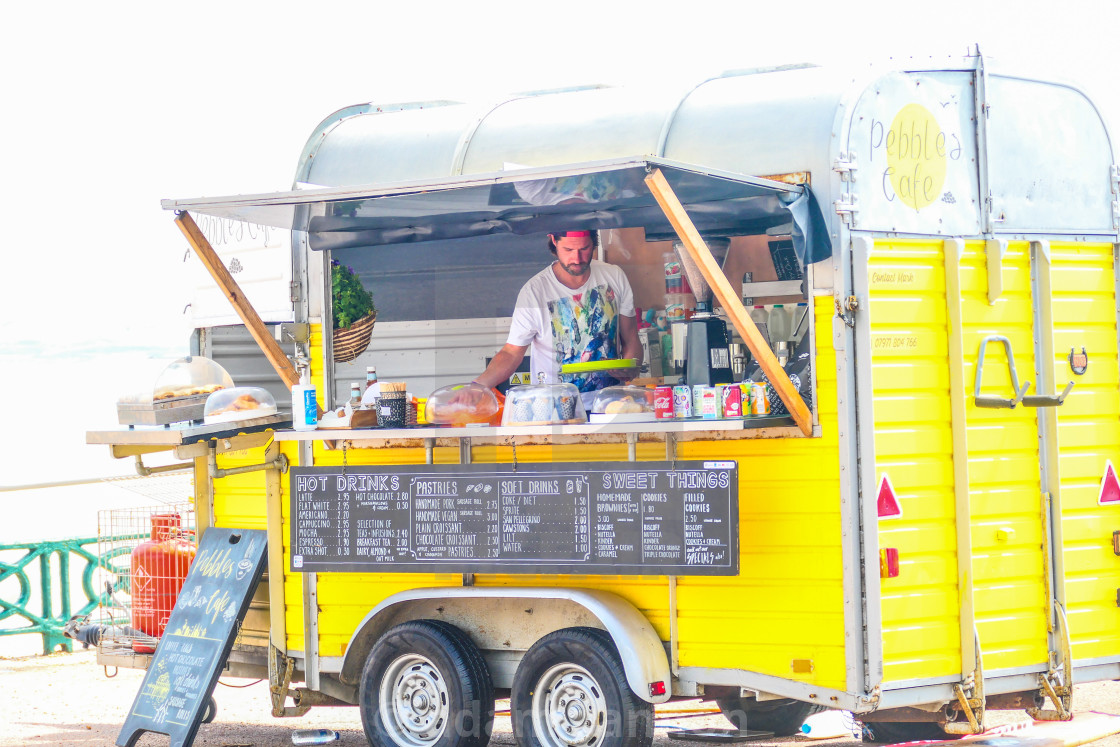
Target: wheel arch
475	610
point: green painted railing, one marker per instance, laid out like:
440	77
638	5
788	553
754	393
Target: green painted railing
48	623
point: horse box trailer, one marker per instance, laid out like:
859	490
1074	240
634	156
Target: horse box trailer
924	526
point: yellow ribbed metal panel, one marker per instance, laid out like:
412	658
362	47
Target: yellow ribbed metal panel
239	500
1084	310
1005	487
913	445
787	603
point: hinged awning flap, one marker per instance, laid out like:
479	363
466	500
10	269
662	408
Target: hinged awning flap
595	196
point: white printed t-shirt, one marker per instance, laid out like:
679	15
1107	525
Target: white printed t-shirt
563	325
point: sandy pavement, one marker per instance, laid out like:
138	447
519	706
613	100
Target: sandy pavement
66	699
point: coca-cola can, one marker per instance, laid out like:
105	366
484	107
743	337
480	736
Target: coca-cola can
732	401
663	402
682	401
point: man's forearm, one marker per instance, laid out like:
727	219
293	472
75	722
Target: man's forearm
502	366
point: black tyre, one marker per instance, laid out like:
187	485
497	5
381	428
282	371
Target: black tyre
783	717
425	684
892	732
210	710
570	690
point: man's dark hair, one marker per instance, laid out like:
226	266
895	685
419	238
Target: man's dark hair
552	241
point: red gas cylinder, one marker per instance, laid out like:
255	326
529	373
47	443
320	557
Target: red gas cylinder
159	567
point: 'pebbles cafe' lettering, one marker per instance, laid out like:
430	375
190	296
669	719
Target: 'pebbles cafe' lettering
918	151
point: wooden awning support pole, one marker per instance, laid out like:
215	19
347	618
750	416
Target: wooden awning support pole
729	299
241	305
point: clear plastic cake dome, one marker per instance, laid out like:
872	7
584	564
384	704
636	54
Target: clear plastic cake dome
239	403
461	404
191	376
622	404
178	394
543	404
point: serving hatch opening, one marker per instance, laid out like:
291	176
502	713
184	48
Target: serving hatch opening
664	199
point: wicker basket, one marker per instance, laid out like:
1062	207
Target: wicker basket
350	342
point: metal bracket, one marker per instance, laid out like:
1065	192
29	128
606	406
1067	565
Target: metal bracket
279	463
1056	684
280	668
970	697
990	400
845	165
1048	400
297	332
847	206
145	471
869	701
846	310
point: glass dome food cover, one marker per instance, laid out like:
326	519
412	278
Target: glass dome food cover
543	404
461	404
622	404
178	394
191	376
239	403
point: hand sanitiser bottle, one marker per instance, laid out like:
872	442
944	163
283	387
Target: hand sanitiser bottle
305	410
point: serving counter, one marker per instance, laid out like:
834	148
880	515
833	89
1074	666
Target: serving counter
768	426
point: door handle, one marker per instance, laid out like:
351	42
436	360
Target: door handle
992	401
1047	400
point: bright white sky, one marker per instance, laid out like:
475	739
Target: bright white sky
109	107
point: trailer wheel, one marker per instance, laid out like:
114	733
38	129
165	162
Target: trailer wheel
891	732
210	711
425	684
784	717
570	690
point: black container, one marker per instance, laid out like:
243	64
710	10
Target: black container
709	357
394	410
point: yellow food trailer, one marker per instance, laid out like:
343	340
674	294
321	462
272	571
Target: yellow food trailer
923	527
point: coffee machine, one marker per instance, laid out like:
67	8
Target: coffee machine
700	343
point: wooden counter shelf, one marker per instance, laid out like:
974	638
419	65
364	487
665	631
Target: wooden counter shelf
768	426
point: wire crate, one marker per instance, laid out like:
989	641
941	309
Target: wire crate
148	551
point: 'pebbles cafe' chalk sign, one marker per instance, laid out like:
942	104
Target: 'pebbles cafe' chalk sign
199	635
914	148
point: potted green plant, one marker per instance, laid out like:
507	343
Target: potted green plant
353	311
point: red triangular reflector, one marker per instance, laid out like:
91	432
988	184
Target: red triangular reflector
1110	485
887	502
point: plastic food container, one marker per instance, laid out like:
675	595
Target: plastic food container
543	404
191	376
623	404
239	403
179	393
461	404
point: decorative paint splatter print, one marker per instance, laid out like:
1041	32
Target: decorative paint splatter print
585	328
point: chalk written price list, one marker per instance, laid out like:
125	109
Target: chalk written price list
550	519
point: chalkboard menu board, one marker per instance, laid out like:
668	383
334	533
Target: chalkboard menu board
198	637
652	518
785	259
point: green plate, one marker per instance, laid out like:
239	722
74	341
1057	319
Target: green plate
608	365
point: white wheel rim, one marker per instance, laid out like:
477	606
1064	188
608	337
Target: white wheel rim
569	708
413	701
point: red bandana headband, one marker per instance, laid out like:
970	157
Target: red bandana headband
572	235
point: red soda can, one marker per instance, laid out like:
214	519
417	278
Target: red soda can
732	401
663	402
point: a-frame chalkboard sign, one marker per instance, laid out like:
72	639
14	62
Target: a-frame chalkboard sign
199	636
